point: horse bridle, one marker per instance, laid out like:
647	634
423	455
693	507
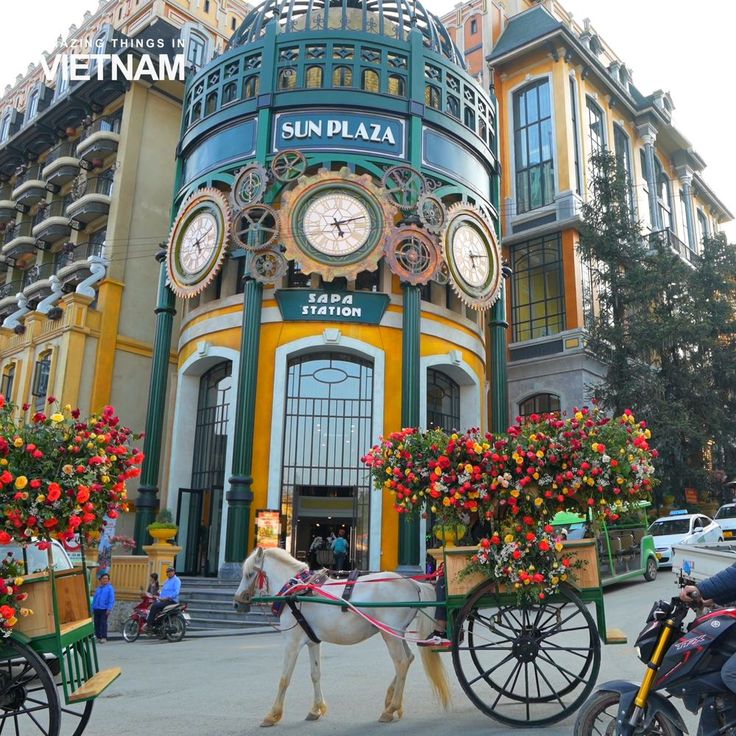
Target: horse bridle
260	579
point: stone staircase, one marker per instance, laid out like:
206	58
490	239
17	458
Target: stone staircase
210	604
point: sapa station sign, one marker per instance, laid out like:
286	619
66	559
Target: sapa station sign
331	306
338	130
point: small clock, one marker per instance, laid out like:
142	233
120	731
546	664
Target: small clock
337	224
472	256
198	242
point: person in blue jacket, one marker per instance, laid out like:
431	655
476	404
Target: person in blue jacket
102	603
717	589
168	594
340	547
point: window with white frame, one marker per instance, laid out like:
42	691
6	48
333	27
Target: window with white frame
32	108
646	214
41	375
196	49
533	146
5	128
664	196
683	221
8	379
622	148
575	133
596	135
703	229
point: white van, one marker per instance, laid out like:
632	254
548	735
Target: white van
35	559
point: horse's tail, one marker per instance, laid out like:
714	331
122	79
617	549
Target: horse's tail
431	660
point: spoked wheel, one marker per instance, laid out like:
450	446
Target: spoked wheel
526	664
175	628
29	701
131	630
598	718
74	717
651	572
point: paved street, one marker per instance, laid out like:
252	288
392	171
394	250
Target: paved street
222	686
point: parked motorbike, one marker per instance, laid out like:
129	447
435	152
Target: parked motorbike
170	623
682	662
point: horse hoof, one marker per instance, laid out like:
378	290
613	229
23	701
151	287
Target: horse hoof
312	716
267	723
386	718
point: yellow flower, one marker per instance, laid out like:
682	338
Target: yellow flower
438	471
21	482
67	407
18	442
538	502
540	453
477	449
578	415
445	501
508	539
515	493
58	417
40	498
12	621
3	462
558	547
67	469
18	582
468	468
26	612
555	580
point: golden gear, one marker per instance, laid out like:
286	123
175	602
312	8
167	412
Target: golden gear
336	223
193	257
413	254
288	165
472	255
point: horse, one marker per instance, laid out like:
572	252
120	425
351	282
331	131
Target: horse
269	572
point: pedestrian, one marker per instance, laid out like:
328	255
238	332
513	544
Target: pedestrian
340	549
169	594
102	603
317	544
153	586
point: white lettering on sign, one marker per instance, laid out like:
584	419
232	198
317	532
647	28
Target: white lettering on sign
331	305
79	67
373	132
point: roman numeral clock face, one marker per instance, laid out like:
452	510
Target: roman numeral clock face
198	243
471	255
336	224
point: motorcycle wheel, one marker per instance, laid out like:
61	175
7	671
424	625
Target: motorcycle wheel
175	628
130	630
598	716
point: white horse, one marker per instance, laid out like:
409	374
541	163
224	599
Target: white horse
266	572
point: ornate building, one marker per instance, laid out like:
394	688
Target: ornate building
86	170
563	94
334	251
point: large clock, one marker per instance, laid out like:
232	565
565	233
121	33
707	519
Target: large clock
337	224
472	255
198	242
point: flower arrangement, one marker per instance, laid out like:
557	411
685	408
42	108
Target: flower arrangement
11	596
127	543
59	475
518	480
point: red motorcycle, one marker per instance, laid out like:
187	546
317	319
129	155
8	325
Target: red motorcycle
170	622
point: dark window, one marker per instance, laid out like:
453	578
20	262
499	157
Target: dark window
233	23
425	292
314	76
473	26
575	133
287	78
432	97
239	276
683	221
469	117
538	297
702	226
229	92
295	277
41	381
453	106
443	401
539	404
250	87
623	158
533	147
664	196
371	82
6	389
206	6
211	104
195	50
396	85
368	280
5	128
596	136
342	76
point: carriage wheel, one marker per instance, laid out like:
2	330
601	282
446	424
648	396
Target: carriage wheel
76	717
29	701
531	664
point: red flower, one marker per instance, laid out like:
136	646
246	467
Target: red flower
54	492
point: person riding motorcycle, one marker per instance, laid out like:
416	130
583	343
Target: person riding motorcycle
719	588
169	594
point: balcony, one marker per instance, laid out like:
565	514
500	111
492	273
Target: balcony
7	204
29	186
36	281
8	296
19	243
72	263
667	238
99	140
51	223
90	200
61	165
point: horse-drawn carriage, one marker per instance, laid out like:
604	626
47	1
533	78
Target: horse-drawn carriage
49	670
521	663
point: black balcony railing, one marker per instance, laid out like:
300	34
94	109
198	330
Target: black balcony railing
53	209
28	174
18	230
37	273
81	252
667	238
10	289
101	184
65	148
5	192
109	124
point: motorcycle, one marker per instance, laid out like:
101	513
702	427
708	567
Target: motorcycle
683	662
170	623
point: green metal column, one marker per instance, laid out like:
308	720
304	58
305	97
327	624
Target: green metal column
410	402
499	389
239	496
148	489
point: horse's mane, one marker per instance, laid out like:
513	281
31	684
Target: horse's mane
276	553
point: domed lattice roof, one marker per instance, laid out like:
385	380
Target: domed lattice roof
392	18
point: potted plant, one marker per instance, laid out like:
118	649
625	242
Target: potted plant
163	529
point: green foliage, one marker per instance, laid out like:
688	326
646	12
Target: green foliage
665	328
164	520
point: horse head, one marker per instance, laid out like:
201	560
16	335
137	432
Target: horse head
254	580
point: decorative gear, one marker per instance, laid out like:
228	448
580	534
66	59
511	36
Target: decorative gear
249	186
288	165
412	254
431	212
256	227
267	267
405	185
442	275
472	255
212	205
336	223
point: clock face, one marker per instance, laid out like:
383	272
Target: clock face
471	255
199	242
336	224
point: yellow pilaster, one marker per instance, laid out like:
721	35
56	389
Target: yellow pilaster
109	300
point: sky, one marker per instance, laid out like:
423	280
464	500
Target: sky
675	45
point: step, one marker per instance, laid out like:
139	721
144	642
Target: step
615	636
216	623
95	685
